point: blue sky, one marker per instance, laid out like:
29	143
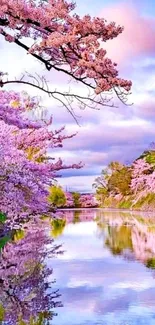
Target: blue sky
94	7
119	133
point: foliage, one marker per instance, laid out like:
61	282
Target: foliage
3	241
2	313
2	217
69	200
120	180
116	179
53	34
125	204
39	320
87	201
128	187
26	295
101	194
57	196
18	235
148	156
143	177
145	201
110	202
65	42
76	199
57	227
24	179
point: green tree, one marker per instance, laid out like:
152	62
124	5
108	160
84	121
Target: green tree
115	166
120	180
100	184
76	199
57	196
149	155
101	194
150	158
115	179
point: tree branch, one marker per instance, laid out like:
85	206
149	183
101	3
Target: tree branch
67	99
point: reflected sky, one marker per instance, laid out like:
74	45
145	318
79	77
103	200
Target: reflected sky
104	272
99	283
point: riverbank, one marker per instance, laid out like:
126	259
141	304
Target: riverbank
141	203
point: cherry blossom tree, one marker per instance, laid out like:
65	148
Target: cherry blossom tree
87	201
26	170
143	177
53	34
69	200
26	291
84	200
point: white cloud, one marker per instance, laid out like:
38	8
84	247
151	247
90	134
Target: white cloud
76	183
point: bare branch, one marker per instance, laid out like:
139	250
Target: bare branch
68	99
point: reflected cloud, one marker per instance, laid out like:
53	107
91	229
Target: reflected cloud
99	285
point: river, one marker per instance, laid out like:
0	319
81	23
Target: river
101	270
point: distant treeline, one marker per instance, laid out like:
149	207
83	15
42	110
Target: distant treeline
61	199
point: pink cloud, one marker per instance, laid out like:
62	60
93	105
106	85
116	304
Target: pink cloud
137	38
146	109
101	135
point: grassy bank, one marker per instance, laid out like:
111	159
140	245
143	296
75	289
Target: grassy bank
144	203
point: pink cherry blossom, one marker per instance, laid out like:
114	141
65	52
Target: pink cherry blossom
64	41
26	169
143	177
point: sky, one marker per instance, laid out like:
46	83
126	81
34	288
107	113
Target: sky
120	133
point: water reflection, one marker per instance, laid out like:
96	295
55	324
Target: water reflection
57	227
108	269
105	274
26	296
129	234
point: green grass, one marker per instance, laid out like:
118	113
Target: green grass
144	203
110	202
148	200
125	204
